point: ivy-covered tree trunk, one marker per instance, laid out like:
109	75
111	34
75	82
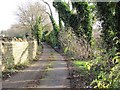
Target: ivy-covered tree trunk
53	36
85	17
38	32
55	32
118	25
109	12
60	22
79	21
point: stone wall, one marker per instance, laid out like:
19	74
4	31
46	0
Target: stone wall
14	52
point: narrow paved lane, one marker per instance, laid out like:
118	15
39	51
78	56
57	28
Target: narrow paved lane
55	77
57	74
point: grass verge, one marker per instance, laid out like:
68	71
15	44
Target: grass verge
80	74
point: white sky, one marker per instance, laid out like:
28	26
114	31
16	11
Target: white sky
8	9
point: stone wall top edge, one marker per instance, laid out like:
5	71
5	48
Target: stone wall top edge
9	39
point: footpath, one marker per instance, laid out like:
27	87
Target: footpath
50	71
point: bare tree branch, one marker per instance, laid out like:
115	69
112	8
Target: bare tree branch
49	7
27	16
